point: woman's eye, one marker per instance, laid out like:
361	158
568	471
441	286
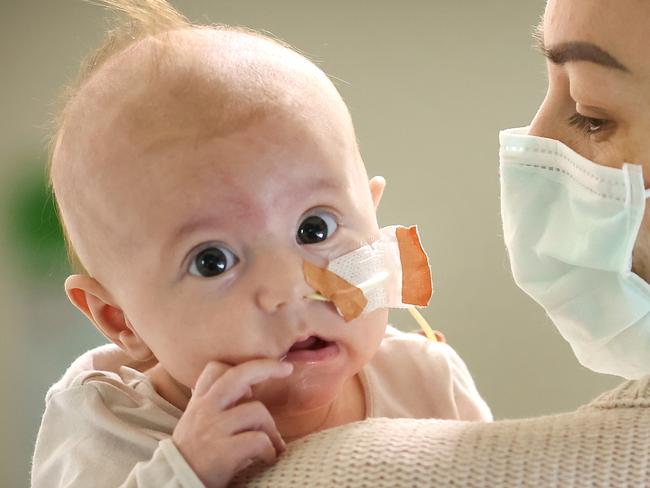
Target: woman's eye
589	125
316	228
212	261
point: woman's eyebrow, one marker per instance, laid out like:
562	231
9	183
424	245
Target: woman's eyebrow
576	51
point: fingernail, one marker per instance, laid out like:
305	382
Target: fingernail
287	366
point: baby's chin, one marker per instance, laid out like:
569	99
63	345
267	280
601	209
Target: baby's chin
299	394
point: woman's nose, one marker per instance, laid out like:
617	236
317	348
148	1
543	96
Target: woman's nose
552	121
280	280
544	124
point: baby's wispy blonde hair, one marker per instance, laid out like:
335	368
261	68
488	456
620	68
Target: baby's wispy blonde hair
134	21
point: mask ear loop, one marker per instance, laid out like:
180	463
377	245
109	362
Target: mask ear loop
417	316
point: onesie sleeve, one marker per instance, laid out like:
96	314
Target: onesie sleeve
469	403
82	443
411	376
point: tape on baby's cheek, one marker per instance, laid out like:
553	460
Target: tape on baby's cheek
349	300
392	272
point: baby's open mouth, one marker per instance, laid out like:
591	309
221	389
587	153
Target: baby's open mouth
312	343
313	349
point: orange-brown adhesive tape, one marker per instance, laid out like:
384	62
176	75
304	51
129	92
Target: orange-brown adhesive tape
349	300
416	274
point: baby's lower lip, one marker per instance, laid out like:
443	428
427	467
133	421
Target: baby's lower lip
330	351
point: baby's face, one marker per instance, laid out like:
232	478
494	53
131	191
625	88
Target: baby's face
219	229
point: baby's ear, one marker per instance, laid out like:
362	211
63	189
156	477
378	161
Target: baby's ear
377	185
94	301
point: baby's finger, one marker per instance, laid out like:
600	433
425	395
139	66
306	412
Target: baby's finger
252	445
211	373
252	416
235	382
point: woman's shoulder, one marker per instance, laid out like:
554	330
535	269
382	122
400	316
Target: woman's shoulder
629	394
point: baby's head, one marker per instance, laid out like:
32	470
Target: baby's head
195	170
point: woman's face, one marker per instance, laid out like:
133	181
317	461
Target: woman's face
598	98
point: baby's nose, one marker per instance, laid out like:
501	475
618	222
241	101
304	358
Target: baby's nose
280	281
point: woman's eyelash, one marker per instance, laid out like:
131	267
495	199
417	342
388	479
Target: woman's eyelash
589	125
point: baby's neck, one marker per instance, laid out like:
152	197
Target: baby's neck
171	390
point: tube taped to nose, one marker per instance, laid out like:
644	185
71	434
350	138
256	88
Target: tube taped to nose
392	272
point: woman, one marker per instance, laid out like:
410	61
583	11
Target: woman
597	115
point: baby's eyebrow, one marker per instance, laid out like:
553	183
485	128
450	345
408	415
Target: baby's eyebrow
576	51
192	226
189	227
216	220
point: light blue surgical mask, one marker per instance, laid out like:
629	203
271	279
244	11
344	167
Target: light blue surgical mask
570	226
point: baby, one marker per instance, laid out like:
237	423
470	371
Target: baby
196	169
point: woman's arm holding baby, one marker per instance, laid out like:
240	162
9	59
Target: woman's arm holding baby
605	443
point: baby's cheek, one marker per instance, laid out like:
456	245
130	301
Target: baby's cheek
370	332
180	346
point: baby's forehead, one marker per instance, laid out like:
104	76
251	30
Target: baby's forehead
203	81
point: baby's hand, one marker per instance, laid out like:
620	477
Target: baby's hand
217	435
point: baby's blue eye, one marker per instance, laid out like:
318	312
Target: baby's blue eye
316	228
213	261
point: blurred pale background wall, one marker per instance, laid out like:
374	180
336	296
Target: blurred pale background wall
429	84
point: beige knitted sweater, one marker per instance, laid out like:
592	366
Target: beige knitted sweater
603	444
